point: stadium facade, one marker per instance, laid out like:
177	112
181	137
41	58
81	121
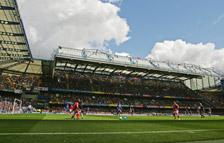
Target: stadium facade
100	78
102	62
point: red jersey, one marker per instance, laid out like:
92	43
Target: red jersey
75	105
176	107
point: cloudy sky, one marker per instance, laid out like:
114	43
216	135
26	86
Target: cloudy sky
186	31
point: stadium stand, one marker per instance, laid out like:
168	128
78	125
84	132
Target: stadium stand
214	97
102	93
99	78
101	87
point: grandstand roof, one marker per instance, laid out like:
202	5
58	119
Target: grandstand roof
14	47
37	67
30	67
101	62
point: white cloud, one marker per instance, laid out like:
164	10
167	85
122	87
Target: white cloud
116	2
219	19
179	51
32	32
71	23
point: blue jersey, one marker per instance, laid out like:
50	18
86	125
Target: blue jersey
119	106
67	106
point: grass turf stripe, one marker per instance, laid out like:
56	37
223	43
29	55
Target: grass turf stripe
107	133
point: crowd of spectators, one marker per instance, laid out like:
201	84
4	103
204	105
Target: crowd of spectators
215	98
118	84
6	104
109	85
113	100
18	82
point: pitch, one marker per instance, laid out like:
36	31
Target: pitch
54	128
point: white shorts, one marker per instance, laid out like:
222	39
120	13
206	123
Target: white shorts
176	112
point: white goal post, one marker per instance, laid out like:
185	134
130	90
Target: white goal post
17	106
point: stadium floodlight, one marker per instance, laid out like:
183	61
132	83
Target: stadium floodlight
11	34
7	7
9	22
12	42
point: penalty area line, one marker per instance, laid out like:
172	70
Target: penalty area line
108	133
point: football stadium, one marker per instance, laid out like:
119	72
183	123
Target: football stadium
93	95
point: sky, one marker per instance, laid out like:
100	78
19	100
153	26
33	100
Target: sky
179	31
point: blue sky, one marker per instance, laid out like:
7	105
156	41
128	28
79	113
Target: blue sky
154	21
164	30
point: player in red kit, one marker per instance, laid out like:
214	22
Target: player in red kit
176	108
75	108
78	114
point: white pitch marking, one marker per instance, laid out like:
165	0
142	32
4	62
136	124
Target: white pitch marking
108	133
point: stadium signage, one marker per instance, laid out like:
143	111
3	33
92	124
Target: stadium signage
40	88
18	91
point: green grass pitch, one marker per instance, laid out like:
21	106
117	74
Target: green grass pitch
52	128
